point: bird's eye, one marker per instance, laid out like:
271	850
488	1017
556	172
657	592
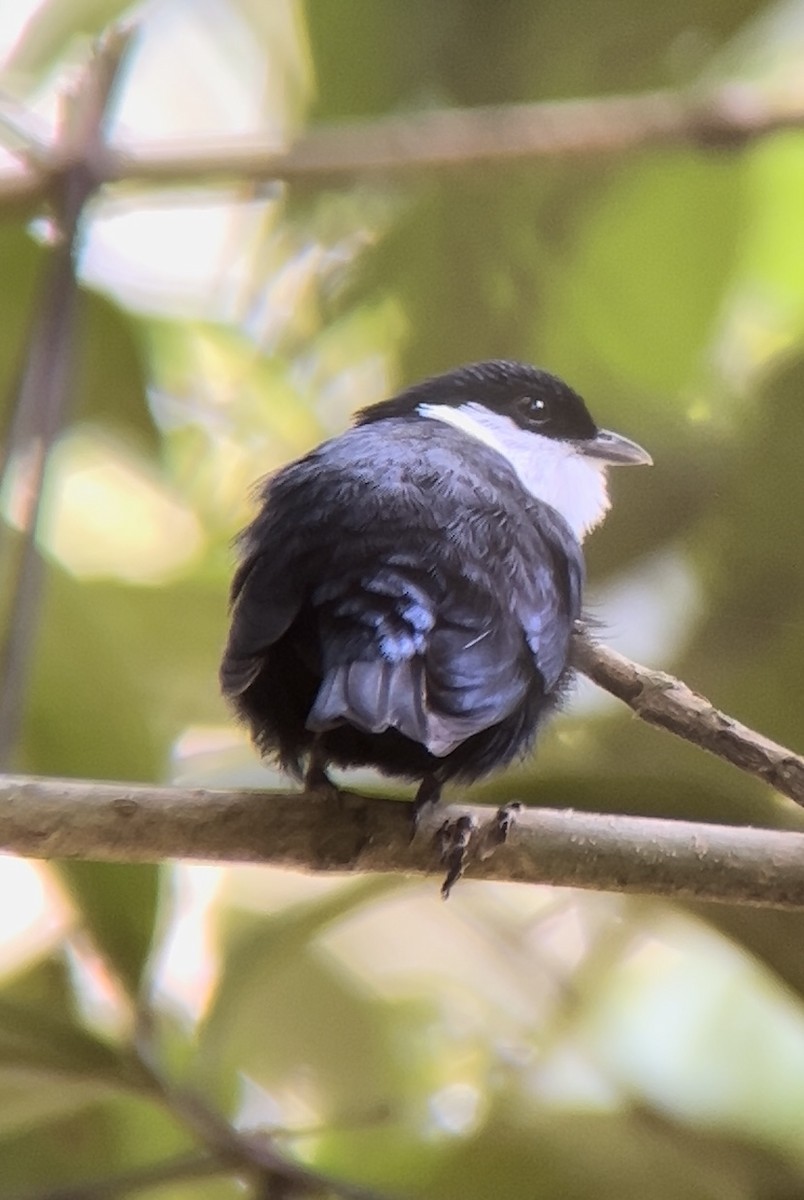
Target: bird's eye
535	409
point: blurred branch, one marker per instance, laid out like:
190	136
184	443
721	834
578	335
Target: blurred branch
53	818
729	116
42	392
665	701
253	1156
25	129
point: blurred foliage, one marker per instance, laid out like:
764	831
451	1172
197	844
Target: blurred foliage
516	1042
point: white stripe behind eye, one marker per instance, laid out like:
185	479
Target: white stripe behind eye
468	418
552	470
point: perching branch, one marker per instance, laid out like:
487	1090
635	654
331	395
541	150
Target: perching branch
729	116
662	700
62	818
59	818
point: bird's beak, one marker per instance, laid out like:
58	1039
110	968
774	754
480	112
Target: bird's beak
614	449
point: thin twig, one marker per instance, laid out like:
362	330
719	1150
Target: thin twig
665	701
35	420
732	115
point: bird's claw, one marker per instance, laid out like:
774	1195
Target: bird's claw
504	821
454	838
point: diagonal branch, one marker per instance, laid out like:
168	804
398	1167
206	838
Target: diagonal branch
253	1156
662	700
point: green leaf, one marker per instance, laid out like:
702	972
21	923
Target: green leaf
119	1133
119	905
119	672
35	1041
34	1098
43	1039
45	984
51	1066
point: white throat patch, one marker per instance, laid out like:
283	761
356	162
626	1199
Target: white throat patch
551	470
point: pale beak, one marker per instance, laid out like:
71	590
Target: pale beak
614	449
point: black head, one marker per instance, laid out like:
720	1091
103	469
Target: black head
534	399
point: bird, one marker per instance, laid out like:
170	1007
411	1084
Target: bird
407	591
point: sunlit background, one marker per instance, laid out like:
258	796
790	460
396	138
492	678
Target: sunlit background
517	1041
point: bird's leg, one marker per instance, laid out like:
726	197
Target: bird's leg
429	793
316	778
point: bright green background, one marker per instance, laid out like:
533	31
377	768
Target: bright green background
515	1043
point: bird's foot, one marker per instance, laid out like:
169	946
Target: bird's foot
454	838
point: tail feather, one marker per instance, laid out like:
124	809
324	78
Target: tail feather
373	696
379	695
